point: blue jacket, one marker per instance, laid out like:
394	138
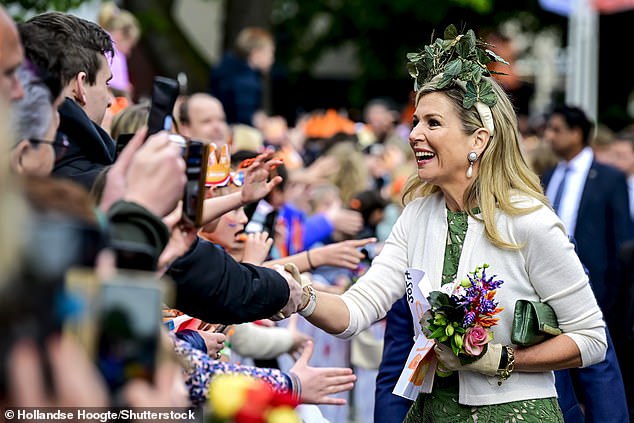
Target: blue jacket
238	87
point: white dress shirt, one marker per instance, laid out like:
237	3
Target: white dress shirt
575	182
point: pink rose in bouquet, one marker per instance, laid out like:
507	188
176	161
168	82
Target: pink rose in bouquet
462	314
475	339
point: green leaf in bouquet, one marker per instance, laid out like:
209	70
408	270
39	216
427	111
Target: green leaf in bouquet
454	347
440	319
438	299
440	331
449	330
458	340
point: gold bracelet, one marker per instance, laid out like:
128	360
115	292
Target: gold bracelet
505	373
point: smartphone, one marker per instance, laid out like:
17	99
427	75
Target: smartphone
196	160
128	321
122	141
165	91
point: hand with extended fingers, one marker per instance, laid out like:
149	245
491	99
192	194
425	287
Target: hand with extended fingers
319	383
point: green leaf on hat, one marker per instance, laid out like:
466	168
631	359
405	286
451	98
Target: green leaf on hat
453	68
450	32
412	69
495	57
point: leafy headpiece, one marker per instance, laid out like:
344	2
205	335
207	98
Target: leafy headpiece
459	59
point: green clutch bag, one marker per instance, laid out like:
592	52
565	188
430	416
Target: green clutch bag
533	322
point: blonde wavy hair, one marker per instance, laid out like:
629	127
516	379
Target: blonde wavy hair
112	18
503	172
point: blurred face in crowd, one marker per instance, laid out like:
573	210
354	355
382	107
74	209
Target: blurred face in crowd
622	155
37	156
11	56
207	120
229	226
262	57
566	142
98	97
379	119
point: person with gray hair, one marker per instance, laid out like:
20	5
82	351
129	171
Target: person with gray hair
35	120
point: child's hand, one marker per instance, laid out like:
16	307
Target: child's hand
256	248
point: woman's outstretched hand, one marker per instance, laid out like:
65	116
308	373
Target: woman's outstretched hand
318	383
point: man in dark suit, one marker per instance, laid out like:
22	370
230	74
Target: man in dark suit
592	201
624	332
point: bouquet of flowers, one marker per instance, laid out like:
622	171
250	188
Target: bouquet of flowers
237	398
462	314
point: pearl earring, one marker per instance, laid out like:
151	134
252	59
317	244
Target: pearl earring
472	157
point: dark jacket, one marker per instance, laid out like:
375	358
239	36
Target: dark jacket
603	225
91	148
398	341
238	87
213	287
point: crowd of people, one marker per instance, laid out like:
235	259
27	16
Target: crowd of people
295	273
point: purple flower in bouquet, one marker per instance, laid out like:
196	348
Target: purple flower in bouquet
462	314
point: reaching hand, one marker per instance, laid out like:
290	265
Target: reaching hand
318	383
256	248
341	254
213	341
256	183
156	175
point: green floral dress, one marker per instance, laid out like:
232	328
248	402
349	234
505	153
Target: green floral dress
441	405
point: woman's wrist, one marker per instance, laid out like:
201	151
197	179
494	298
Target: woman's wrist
308	306
310	262
509	367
